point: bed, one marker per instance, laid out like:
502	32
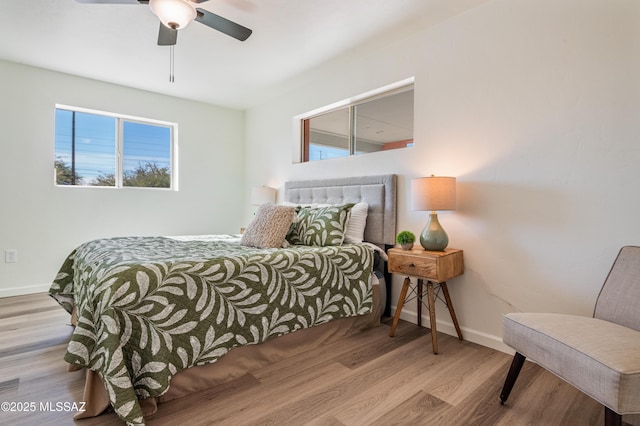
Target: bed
158	318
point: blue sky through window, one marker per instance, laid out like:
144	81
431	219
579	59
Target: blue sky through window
323	152
145	143
95	151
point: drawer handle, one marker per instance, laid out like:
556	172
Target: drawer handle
411	265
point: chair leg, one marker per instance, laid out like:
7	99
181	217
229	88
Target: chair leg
514	370
611	418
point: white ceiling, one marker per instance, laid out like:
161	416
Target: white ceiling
117	43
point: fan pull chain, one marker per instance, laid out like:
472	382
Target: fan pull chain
171	64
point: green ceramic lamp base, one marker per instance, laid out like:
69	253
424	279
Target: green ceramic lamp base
433	237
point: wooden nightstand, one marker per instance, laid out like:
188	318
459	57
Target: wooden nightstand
434	267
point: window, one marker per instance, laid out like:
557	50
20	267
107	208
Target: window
94	148
373	122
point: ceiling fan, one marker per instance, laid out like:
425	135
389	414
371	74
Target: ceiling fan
177	14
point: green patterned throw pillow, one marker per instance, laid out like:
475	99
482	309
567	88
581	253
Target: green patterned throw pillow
320	226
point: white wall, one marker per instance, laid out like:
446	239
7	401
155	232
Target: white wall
44	223
533	105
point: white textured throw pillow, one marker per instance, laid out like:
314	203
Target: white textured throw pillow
356	224
269	227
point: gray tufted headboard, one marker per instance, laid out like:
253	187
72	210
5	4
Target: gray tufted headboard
379	192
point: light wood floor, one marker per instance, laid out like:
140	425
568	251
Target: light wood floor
366	379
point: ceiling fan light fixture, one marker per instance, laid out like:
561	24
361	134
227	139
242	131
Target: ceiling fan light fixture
174	14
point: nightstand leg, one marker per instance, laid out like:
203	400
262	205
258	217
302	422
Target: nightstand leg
445	291
401	299
432	316
420	287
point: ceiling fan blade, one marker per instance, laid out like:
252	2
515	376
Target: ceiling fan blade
167	36
223	25
114	1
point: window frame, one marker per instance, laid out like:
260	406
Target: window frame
301	122
119	147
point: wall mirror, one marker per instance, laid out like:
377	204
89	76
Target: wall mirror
371	123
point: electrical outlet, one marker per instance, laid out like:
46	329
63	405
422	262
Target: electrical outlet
11	256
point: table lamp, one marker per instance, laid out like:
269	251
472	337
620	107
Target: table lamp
433	193
262	194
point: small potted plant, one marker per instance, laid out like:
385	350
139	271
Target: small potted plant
406	239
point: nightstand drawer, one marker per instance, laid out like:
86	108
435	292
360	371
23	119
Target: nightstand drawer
414	265
429	265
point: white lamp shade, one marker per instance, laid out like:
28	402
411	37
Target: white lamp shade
433	193
262	194
173	13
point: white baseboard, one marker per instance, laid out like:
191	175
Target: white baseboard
469	334
20	291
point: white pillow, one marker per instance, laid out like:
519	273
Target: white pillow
356	224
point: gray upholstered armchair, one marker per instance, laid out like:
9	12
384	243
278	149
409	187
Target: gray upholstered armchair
601	355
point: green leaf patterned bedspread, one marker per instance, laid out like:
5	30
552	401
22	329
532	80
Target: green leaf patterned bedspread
149	307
